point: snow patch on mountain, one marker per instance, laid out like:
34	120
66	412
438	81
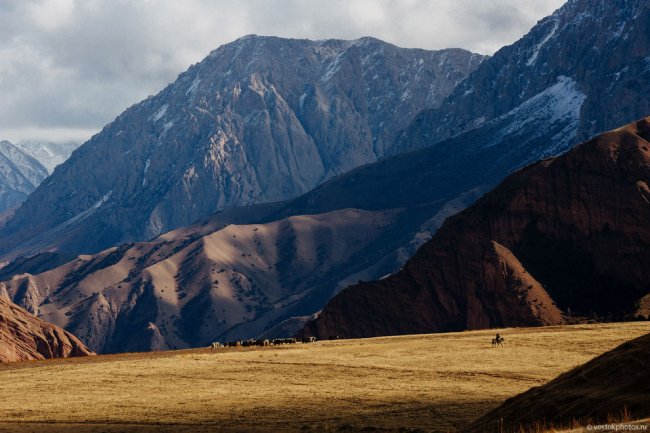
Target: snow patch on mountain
192	89
332	69
533	57
144	174
558	105
166	127
159	114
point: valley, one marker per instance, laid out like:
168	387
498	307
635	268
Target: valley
371	213
425	383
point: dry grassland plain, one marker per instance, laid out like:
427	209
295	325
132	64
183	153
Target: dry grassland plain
435	383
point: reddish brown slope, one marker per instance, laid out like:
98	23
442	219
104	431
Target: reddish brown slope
23	337
568	233
595	393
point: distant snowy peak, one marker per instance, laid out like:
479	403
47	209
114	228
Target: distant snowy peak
49	154
25	165
20	174
27	171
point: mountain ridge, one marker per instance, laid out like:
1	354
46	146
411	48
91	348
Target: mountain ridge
20	174
563	43
27	338
548	242
260	119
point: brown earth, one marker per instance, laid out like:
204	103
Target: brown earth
613	387
436	383
24	337
567	235
203	283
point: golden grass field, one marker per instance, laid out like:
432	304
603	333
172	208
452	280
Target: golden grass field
436	382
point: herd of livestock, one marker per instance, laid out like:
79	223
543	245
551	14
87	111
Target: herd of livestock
262	343
496	342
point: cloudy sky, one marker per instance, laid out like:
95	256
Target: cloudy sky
68	67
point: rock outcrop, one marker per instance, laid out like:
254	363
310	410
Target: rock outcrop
24	337
564	235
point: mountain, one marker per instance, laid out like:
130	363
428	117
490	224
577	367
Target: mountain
411	194
600	47
20	174
203	283
23	337
49	154
598	392
535	95
264	270
261	119
418	189
23	167
565	236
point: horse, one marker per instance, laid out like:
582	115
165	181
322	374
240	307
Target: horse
498	341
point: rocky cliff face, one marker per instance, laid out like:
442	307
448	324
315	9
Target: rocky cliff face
23	337
20	174
567	234
261	119
602	46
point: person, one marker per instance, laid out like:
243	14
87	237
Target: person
498	338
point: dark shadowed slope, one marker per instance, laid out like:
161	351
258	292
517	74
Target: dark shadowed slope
603	390
565	234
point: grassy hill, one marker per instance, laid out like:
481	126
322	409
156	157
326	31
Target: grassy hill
430	383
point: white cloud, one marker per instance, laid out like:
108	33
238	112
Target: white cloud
50	15
73	65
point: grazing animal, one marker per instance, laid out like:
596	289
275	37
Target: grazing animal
308	339
248	343
280	341
216	345
498	341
